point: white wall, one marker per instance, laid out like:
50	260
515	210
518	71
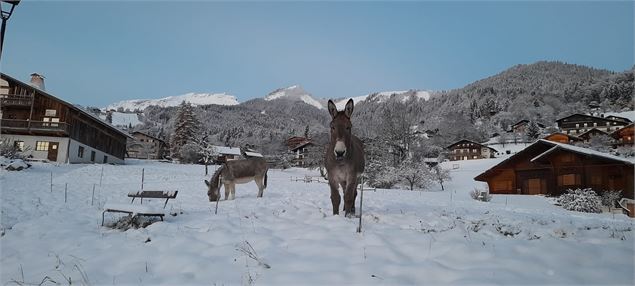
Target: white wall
29	143
99	155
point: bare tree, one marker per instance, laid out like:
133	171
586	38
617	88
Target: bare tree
413	173
440	175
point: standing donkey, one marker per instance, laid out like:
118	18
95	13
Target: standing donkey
237	172
344	158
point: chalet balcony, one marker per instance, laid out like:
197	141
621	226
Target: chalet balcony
14	126
15	100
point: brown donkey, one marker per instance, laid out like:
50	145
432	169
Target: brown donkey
237	172
344	158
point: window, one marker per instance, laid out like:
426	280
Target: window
105	159
577	125
41	145
474	157
19	145
585	125
92	156
50	112
595	124
141	139
474	150
569	180
80	152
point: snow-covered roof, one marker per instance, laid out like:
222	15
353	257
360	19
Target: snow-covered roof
580	150
253	154
630	115
227	150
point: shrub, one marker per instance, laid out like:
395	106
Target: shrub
581	200
609	198
480	195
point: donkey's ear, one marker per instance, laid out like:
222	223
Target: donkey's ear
206	182
348	110
332	108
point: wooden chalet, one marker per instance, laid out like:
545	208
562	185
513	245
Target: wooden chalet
299	147
46	127
227	154
624	136
146	146
521	126
586	136
563	138
550	168
469	150
577	124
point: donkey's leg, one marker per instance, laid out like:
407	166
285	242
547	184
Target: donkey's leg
335	196
261	185
227	189
349	198
233	193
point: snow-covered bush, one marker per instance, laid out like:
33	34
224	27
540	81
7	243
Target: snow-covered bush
609	198
13	164
190	153
386	177
10	150
581	200
480	195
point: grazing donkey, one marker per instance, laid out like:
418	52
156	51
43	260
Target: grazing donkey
237	172
344	159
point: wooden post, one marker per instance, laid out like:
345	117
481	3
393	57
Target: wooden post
65	189
143	172
102	175
51	182
218	199
92	198
361	201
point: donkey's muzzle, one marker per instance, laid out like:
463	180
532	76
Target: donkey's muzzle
339	155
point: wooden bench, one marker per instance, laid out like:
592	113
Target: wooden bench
140	210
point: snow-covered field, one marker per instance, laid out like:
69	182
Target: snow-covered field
409	237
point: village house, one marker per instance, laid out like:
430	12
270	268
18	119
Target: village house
146	146
550	168
593	132
563	138
227	154
624	136
577	124
469	150
521	126
48	128
298	146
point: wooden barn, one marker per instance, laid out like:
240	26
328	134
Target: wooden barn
550	168
48	128
469	150
146	146
624	136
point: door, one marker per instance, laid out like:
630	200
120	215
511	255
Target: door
53	147
535	186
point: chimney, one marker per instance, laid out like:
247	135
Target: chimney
37	81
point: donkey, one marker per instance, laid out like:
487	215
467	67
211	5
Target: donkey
344	158
237	172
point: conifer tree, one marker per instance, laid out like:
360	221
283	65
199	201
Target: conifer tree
186	129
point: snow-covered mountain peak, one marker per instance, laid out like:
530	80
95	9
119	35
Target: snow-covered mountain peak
294	93
380	97
193	98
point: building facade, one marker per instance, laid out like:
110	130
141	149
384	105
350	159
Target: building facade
146	146
578	124
550	168
469	150
45	127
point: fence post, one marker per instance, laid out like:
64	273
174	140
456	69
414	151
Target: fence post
65	191
102	175
143	172
51	182
92	198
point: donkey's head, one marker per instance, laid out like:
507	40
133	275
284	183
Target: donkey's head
341	129
213	190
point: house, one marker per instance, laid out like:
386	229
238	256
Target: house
624	136
227	153
586	136
469	150
563	138
146	146
550	168
299	147
49	128
577	124
251	153
521	126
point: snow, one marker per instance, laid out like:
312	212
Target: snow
409	237
253	154
193	98
383	96
626	114
123	119
294	93
227	150
581	150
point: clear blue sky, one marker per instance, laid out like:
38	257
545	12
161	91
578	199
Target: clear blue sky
96	53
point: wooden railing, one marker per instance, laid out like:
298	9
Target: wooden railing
26	125
15	100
